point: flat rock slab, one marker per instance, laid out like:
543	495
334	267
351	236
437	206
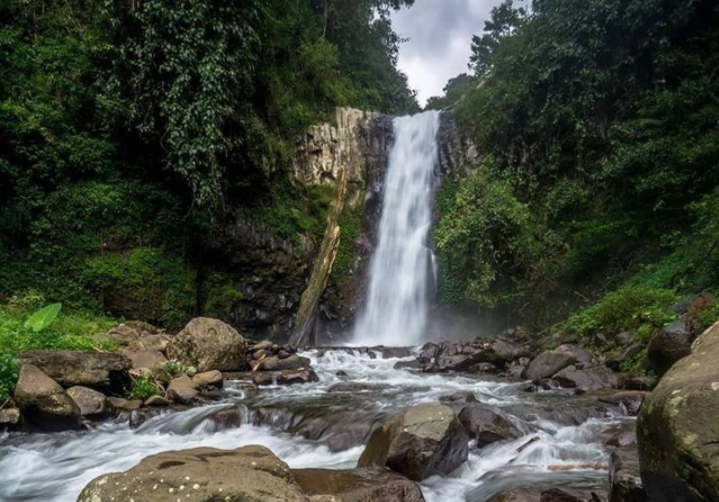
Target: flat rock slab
249	474
72	368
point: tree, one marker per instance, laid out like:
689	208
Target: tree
504	21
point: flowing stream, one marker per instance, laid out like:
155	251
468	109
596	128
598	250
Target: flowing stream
396	309
301	424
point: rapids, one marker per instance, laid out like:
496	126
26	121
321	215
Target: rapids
566	453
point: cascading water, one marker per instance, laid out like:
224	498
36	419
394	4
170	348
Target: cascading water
396	309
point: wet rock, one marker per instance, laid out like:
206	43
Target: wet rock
461	397
629	401
263	378
516	369
358	485
43	402
624	479
209	344
483	368
249	474
638	382
536	495
152	360
97	370
212	379
156	401
293	362
292	377
508	351
265	345
668	346
354	387
91	402
407	365
677	428
227	419
586	380
548	364
341	374
487	425
421	441
618	436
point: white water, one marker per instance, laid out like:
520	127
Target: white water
396	309
49	468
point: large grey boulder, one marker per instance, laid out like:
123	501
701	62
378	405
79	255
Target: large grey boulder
209	344
419	442
97	370
487	425
547	364
678	430
92	403
249	474
43	402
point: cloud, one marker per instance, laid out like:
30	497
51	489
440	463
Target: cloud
440	34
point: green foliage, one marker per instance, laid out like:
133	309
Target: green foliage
68	331
636	309
144	387
9	370
43	317
599	118
455	89
350	222
149	283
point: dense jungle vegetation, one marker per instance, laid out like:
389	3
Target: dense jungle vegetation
131	130
597	128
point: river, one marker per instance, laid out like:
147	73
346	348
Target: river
566	452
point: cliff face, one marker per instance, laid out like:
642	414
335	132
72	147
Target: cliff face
311	290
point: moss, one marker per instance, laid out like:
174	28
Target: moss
350	223
221	295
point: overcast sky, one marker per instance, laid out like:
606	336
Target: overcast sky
440	33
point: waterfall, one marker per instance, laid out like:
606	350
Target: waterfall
396	309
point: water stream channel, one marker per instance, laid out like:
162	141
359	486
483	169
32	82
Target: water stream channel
567	451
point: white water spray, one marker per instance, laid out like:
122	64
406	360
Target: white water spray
396	309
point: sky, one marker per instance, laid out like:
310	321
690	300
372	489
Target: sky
440	33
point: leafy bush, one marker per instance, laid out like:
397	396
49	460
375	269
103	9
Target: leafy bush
9	368
144	387
637	309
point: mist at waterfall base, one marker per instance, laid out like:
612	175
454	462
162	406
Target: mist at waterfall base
402	265
567	452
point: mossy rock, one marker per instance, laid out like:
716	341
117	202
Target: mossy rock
678	430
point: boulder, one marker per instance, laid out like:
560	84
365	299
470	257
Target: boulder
209	344
536	495
97	370
91	402
152	360
182	390
292	377
668	346
487	425
586	380
629	402
123	334
10	416
263	378
678	430
625	483
358	485
419	442
508	351
249	474
293	362
156	402
150	342
208	379
43	402
547	364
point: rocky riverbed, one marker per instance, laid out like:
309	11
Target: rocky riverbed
480	421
